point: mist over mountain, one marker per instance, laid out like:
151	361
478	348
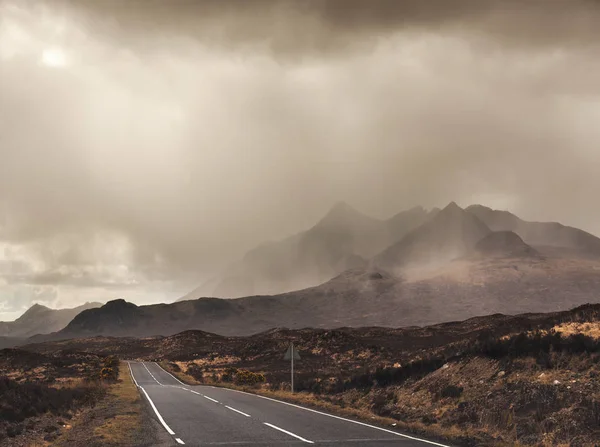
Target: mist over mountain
417	239
343	239
550	234
451	266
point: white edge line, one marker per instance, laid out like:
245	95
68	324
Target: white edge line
131	372
288	433
341	418
160	418
237	411
314	411
210	398
179	441
169	373
151	374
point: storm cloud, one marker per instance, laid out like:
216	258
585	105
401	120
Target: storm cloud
145	144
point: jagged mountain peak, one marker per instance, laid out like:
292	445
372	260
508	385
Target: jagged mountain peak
343	213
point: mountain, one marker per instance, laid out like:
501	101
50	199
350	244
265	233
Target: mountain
350	298
498	274
549	234
40	319
343	239
504	244
449	234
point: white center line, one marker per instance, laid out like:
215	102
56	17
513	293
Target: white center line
179	441
288	433
237	411
337	417
210	398
152	374
169	373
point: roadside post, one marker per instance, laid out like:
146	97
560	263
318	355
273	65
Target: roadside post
292	354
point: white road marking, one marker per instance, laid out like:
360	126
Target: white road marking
160	418
288	432
237	411
210	398
192	391
169	373
151	374
179	441
131	372
341	418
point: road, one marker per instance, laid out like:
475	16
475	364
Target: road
205	415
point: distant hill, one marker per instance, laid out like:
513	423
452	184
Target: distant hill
40	319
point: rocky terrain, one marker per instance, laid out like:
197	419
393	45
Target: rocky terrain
530	379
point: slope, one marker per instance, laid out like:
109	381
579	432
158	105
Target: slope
40	319
451	233
549	234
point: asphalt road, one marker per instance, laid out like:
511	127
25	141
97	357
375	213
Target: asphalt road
205	415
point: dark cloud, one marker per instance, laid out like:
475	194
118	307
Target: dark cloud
295	27
149	143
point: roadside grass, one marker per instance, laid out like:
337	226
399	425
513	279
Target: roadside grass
125	426
117	420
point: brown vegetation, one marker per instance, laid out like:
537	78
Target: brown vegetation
498	380
41	394
116	420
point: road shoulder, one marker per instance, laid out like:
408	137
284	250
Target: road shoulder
121	418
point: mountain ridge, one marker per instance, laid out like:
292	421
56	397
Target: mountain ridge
39	319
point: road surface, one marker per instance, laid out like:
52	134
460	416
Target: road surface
205	415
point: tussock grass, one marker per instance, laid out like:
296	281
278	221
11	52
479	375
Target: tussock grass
117	420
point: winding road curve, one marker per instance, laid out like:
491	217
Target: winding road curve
206	415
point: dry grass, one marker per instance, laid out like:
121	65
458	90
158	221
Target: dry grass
116	421
589	329
123	428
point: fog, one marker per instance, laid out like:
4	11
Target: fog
146	144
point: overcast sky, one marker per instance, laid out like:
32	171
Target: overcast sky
144	144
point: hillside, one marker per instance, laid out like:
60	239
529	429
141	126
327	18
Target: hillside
451	233
504	244
551	234
489	381
40	319
470	286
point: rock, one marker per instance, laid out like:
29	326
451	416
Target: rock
556	382
501	374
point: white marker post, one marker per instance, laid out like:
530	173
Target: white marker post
292	354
